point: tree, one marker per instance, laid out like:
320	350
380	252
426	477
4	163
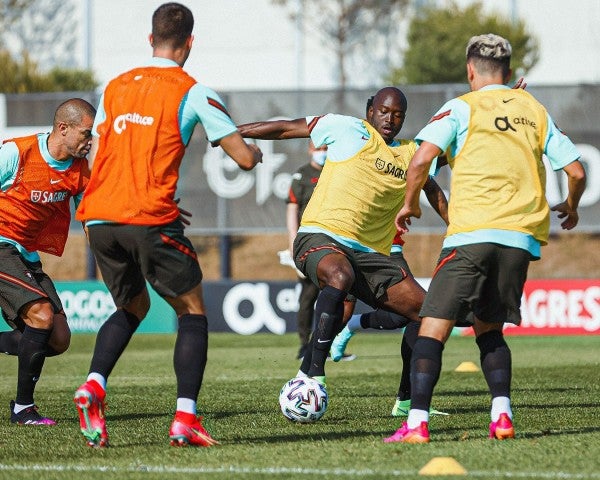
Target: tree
72	79
24	77
19	77
346	26
437	38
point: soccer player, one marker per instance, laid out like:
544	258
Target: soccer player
39	174
384	320
304	181
494	138
380	319
144	122
346	232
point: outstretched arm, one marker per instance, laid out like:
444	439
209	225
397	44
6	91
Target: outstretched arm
275	129
568	208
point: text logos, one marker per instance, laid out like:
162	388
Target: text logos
42	196
121	121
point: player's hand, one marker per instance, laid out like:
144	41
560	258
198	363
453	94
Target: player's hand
184	215
403	218
571	217
520	83
258	155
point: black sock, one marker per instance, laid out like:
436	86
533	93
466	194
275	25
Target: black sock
307	359
496	362
383	320
32	349
406	349
306	310
426	365
189	355
329	312
113	337
9	342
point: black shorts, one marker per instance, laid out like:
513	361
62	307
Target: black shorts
374	272
484	278
398	259
22	282
128	255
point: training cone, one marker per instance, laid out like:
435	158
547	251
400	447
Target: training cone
467	367
443	466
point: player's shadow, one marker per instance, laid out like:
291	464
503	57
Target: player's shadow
463	433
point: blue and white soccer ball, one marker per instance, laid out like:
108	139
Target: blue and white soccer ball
303	399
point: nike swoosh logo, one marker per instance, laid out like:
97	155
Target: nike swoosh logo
52	182
209	440
507	100
322	341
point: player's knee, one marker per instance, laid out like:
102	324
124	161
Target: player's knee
39	314
59	342
335	270
339	277
139	305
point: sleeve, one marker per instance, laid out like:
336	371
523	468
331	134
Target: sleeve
559	148
444	126
9	163
343	135
203	105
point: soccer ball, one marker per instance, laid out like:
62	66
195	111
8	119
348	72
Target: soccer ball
303	399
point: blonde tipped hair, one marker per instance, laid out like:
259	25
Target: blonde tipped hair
489	46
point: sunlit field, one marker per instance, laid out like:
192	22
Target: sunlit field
556	399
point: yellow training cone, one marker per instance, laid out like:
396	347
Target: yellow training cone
467	367
442	466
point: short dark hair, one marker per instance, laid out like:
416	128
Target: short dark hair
172	25
73	111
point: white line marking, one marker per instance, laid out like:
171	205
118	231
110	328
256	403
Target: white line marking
285	470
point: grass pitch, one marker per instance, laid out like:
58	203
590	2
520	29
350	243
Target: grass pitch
556	401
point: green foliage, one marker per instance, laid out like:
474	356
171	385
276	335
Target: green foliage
24	77
72	80
555	399
20	77
437	39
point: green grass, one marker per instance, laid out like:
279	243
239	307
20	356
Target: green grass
556	400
